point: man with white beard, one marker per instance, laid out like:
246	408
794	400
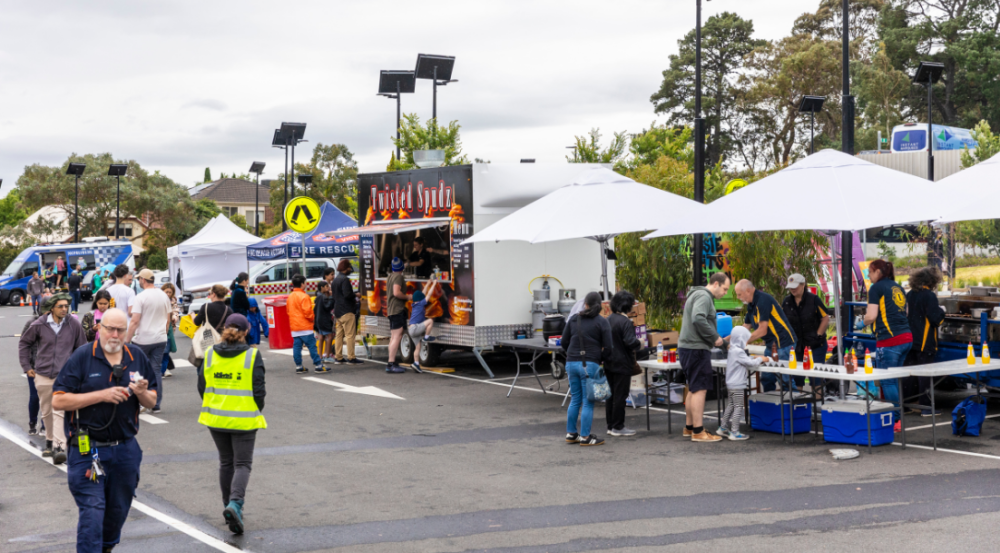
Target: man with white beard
101	388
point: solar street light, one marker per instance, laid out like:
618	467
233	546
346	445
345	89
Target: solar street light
256	168
117	170
392	84
810	105
76	169
438	69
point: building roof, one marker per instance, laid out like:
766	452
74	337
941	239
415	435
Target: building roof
231	191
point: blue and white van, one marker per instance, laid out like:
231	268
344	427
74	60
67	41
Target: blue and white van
912	137
97	252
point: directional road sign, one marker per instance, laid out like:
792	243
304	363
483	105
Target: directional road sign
302	214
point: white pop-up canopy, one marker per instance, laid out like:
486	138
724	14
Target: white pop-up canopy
599	204
827	191
972	193
217	252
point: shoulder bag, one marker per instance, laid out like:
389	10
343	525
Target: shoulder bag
206	336
597	387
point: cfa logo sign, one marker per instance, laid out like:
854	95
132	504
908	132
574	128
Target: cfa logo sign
227	376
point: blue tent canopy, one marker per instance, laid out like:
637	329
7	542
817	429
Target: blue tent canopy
288	244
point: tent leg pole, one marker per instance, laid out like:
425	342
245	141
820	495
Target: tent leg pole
604	268
836	307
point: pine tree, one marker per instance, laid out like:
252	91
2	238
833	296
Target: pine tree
208	174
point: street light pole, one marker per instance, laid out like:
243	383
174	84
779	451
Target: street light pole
699	150
927	74
847	146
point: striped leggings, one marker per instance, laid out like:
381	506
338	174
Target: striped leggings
733	414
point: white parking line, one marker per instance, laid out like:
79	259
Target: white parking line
182	363
945	423
151	419
145	509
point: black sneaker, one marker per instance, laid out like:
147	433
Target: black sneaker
58	456
394	368
321	369
572	438
157	410
33	429
416	367
47	452
300	370
338	362
591	440
354	362
429	338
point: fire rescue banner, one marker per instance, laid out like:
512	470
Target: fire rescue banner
409	196
289	243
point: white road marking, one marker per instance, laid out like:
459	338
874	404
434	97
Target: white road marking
142	507
25	315
151	419
367	390
182	363
945	423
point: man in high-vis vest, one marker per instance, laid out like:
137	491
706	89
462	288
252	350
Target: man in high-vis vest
231	384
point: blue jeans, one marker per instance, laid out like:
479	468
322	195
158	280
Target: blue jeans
155	354
75	303
104	504
578	373
890	358
33	404
165	364
36	303
310	342
769	381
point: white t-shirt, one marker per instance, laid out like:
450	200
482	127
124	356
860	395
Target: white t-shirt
123	295
154	306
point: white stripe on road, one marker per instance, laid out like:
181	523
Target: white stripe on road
151	419
182	363
145	509
946	423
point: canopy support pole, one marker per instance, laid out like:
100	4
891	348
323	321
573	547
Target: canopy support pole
836	307
603	241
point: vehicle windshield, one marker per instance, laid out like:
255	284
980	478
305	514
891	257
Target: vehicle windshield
13	267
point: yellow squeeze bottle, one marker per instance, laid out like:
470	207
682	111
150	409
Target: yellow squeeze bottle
791	360
868	362
972	355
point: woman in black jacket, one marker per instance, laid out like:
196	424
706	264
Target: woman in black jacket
925	316
587	343
619	369
323	320
239	301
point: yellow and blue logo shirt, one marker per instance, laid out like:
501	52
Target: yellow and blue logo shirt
765	309
891	321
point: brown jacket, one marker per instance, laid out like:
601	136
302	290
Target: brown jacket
53	349
300	311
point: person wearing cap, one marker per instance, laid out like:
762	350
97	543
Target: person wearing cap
150	321
231	385
808	318
766	319
396	309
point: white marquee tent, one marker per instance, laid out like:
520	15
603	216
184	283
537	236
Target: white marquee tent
217	252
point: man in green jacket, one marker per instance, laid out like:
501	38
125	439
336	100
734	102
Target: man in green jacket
694	351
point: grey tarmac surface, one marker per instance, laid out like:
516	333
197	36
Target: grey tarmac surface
457	466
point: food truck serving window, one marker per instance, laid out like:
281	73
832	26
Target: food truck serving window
424	244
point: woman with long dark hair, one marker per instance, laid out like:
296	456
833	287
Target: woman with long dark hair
90	321
886	313
238	300
619	369
925	317
587	343
231	409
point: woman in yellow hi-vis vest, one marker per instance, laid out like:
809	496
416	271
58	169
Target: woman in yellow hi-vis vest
231	384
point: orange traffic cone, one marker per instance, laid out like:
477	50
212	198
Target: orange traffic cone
22	301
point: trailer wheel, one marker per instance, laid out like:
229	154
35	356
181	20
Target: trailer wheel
15	298
558	370
405	349
430	354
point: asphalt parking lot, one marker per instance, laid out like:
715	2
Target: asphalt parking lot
361	460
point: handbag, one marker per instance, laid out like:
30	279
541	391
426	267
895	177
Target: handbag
968	417
597	387
206	336
170	340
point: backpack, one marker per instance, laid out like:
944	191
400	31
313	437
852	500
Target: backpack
968	417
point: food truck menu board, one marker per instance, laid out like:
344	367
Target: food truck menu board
413	195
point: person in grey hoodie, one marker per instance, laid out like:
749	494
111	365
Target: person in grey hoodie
694	351
737	380
35	288
54	337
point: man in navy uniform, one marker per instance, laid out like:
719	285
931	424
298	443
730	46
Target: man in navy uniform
101	388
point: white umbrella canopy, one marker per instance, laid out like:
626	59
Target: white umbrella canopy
599	204
827	191
973	193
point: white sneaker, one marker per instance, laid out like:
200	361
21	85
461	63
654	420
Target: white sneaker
623	432
168	374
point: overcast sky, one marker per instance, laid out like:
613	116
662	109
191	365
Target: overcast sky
178	86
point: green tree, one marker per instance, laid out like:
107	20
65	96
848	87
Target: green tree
989	145
11	210
587	149
881	90
208	175
983	233
334	173
414	136
726	40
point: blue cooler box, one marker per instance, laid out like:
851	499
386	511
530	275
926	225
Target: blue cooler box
765	416
844	423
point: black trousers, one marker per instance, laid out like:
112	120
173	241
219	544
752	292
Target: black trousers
615	406
235	462
919	386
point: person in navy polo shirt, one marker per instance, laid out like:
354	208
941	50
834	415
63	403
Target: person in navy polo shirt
886	312
766	319
101	388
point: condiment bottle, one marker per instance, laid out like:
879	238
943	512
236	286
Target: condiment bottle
986	354
868	362
972	355
792	364
774	352
659	352
812	362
